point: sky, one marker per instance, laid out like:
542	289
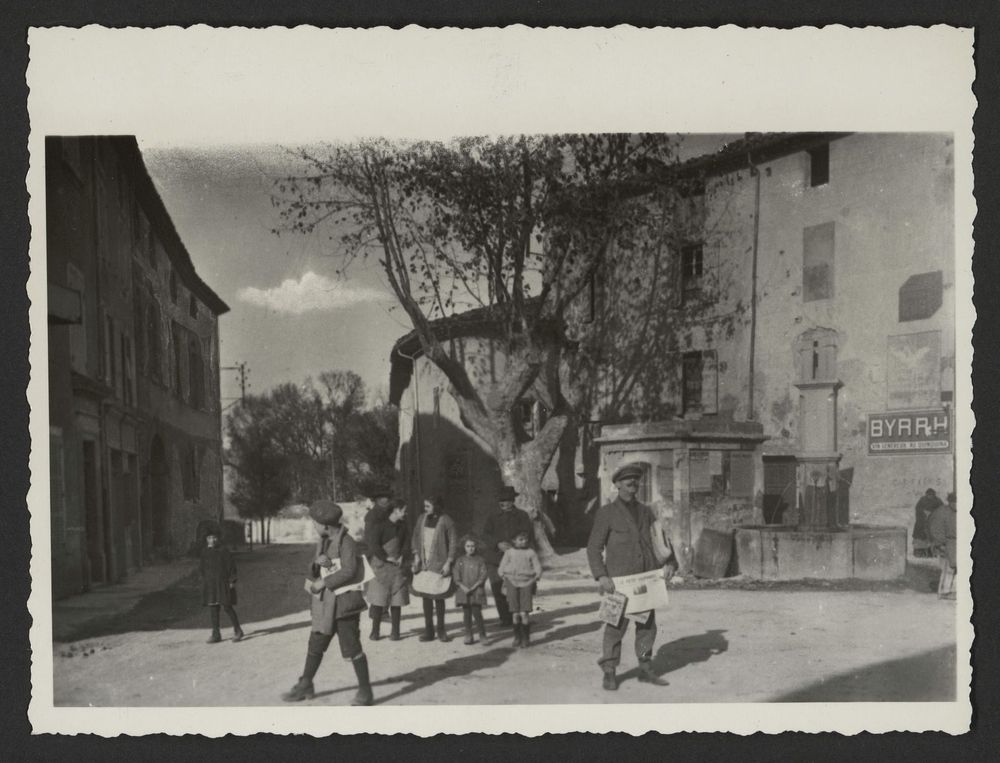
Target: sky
291	316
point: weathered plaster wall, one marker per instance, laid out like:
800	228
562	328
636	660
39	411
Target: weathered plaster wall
890	200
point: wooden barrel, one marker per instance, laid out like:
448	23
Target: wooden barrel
712	553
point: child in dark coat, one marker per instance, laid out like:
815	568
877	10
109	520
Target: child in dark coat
218	585
520	569
470	576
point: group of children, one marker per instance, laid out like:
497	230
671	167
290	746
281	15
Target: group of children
520	569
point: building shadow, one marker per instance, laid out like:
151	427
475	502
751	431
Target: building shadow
269	587
682	652
925	677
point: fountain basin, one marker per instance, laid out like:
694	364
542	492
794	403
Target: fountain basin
777	552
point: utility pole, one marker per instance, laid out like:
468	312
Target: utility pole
244	372
333	471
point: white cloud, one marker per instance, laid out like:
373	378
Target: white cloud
310	292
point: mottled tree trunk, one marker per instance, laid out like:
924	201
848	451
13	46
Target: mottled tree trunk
523	467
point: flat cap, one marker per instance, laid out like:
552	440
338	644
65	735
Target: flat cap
326	512
626	471
506	493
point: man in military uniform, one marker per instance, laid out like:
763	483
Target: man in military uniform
621	543
499	532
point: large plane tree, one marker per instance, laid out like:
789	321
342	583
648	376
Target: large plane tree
517	226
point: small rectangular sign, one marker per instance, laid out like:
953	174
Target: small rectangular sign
909	433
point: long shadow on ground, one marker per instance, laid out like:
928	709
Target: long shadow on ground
458	667
925	677
681	652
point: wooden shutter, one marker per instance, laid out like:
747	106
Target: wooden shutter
741	474
817	262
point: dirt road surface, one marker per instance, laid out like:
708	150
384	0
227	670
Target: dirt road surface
714	645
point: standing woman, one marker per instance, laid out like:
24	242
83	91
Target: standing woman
385	538
435	547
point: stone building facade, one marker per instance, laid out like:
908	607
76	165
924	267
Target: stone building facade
804	373
828	402
135	440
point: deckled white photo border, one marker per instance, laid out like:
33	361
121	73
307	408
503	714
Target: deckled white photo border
222	86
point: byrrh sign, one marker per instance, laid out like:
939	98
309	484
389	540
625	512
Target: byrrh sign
909	432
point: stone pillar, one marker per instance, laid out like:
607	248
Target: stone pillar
818	459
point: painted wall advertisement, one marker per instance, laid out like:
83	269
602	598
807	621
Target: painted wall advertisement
909	433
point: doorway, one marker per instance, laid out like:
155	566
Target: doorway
779	488
96	569
159	477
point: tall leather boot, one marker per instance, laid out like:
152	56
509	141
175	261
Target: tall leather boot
525	634
428	634
364	697
376	615
303	689
517	635
394	615
216	636
237	630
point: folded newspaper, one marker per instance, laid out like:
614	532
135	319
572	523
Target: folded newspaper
645	591
612	608
325	572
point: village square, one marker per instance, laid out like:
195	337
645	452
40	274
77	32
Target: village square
594	418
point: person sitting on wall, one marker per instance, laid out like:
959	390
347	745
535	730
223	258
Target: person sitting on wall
942	528
498	535
926	505
621	543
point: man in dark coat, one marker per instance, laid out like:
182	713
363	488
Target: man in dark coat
621	543
498	535
943	530
337	603
385	545
928	502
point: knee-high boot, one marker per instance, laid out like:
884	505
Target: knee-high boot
428	634
364	695
216	636
237	630
376	615
394	614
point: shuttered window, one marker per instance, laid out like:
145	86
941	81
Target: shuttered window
819	165
921	296
700	382
817	262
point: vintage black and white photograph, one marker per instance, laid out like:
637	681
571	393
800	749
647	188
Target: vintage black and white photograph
582	417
